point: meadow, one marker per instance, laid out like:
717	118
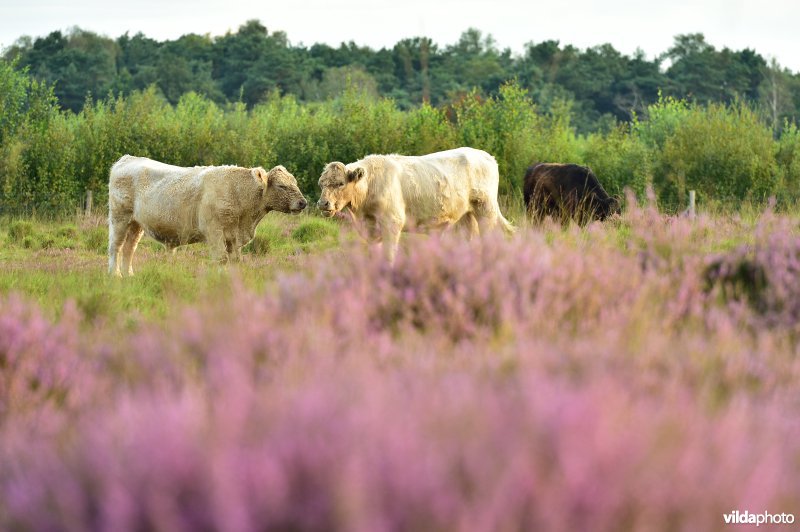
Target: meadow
637	374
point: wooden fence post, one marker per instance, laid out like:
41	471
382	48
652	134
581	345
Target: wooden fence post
87	206
691	204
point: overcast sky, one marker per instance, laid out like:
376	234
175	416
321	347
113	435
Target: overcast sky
771	27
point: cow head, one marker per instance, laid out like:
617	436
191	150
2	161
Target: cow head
281	192
338	186
614	206
609	208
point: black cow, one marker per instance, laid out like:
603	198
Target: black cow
566	191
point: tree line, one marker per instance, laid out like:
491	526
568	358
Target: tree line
599	85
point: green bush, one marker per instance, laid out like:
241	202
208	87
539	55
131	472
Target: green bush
788	160
96	239
36	235
260	245
67	231
427	130
50	158
313	230
724	152
268	238
30	242
20	229
620	160
14	89
509	127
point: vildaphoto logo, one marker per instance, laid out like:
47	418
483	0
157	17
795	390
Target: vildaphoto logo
746	518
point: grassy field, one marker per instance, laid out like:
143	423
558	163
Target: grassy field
51	262
637	374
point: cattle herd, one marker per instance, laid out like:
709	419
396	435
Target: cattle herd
384	194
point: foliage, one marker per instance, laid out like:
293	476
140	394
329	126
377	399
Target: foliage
509	127
723	152
621	159
14	86
253	62
788	159
764	275
314	230
49	158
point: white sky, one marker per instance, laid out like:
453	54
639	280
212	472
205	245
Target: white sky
771	27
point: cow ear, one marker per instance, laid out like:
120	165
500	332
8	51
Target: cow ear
260	175
355	175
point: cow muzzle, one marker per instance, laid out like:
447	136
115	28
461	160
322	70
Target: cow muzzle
327	207
299	205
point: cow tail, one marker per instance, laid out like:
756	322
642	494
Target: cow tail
508	229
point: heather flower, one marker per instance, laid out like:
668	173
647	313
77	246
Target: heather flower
38	359
584	379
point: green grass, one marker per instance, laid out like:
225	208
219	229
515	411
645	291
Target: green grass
52	262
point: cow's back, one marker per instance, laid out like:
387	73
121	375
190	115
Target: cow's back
162	198
152	181
438	187
558	180
473	168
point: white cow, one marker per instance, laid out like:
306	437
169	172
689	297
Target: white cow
220	205
390	193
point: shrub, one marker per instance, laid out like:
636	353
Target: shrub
50	158
724	152
268	238
788	159
30	242
620	160
508	127
14	87
427	130
96	239
19	229
314	229
67	231
764	275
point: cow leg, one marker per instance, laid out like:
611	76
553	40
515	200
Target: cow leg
484	211
369	231
233	249
391	240
117	230
374	231
390	235
217	244
487	222
469	223
132	237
